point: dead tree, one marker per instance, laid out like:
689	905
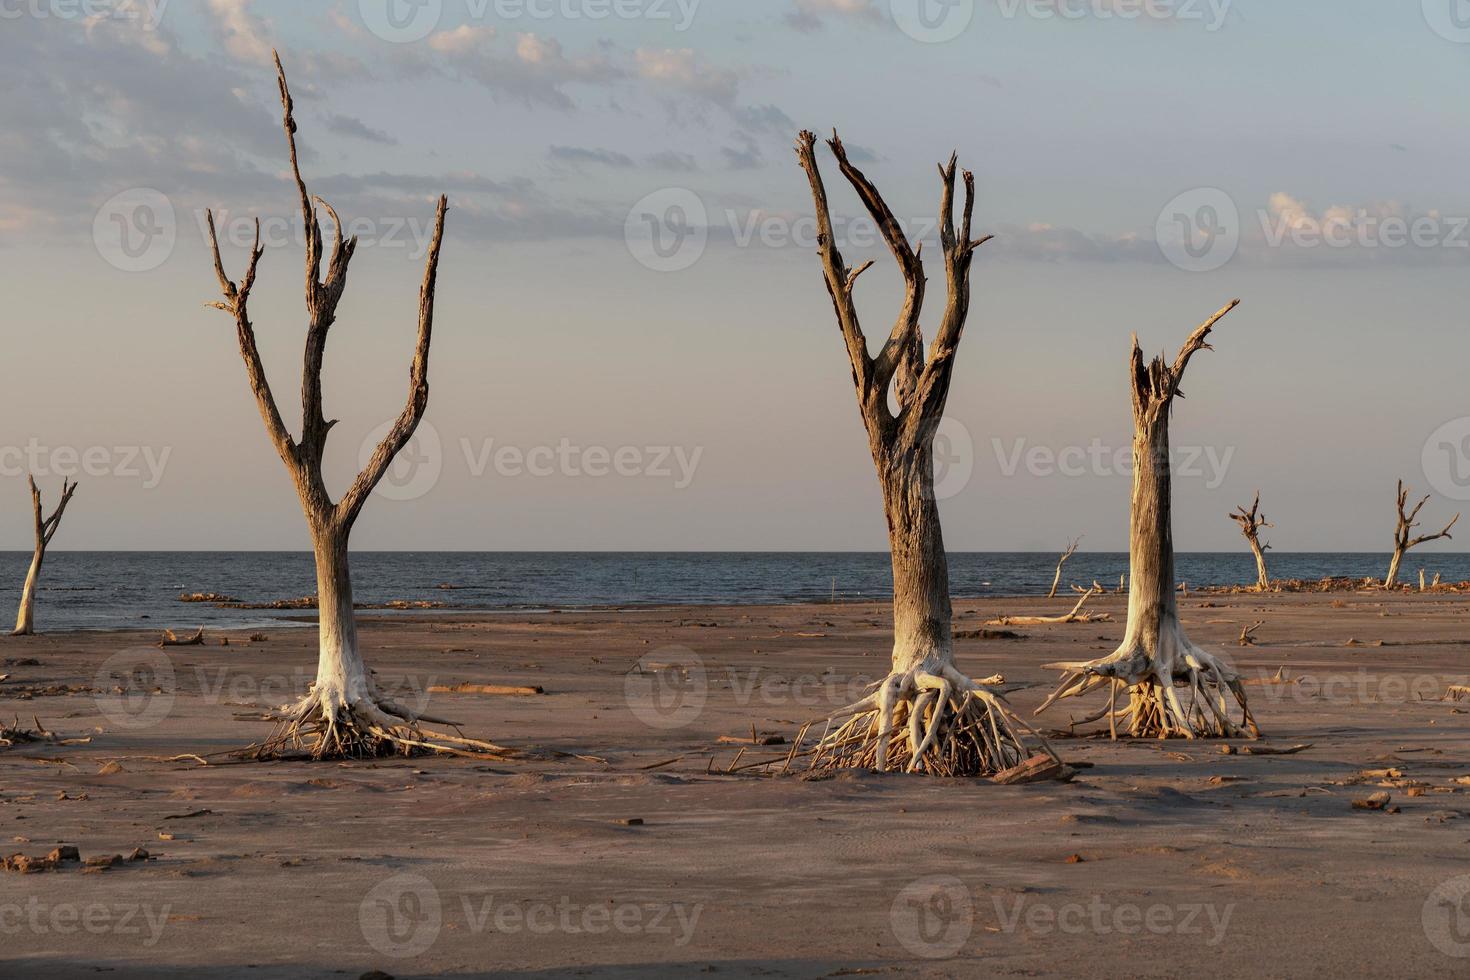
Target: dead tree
1156	660
46	528
1251	523
1403	540
925	715
1057	578
344	714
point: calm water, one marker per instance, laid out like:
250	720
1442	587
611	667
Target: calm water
104	590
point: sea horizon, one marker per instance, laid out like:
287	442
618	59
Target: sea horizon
110	590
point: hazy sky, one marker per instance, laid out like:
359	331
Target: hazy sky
1141	162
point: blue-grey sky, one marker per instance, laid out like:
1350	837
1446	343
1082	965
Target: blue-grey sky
1140	161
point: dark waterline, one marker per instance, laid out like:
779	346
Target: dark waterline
120	590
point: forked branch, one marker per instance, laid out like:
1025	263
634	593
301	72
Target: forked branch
303	457
46	527
1404	538
1057	578
920	383
1156	384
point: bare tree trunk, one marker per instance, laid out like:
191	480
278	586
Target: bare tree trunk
342	679
345	714
1403	539
25	620
921	604
1156	658
46	528
926	715
1056	579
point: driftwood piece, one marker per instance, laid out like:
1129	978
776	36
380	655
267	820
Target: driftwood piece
506	690
1075	616
1036	769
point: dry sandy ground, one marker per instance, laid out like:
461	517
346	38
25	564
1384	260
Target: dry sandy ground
1158	859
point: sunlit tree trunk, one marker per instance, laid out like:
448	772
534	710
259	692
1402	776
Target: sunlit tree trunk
1174	688
46	528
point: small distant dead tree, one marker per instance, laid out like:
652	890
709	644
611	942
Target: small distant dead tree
1403	539
925	715
46	528
1057	578
345	714
1251	524
1156	658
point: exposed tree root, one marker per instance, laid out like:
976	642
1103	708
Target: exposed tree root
931	719
1156	708
323	726
13	734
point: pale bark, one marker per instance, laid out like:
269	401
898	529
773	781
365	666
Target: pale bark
931	703
1075	616
1156	659
344	714
1056	579
1251	523
1403	539
46	528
